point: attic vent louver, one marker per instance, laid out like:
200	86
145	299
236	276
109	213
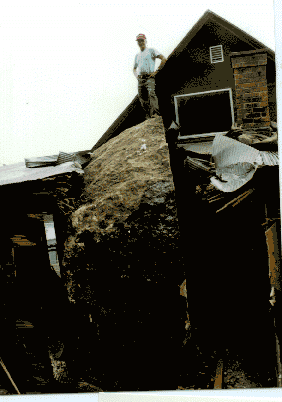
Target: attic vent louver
216	54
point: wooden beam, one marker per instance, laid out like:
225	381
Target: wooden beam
272	241
218	380
9	375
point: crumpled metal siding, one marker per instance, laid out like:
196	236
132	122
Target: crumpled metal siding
53	160
227	151
269	158
42	161
230	154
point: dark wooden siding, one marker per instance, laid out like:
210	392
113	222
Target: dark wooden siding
192	70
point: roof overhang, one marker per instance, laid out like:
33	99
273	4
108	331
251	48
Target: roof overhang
19	173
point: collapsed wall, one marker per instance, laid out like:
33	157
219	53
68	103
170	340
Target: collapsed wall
123	264
229	309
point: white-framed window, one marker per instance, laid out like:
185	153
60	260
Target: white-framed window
202	114
216	54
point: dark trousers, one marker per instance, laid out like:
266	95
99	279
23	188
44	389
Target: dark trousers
147	95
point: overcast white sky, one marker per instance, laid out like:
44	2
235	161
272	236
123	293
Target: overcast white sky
66	67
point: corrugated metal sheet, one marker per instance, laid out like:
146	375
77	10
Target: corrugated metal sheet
77	157
227	151
52	160
269	158
42	161
19	173
65	157
236	162
232	182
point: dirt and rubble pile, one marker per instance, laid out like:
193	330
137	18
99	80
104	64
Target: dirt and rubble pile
123	264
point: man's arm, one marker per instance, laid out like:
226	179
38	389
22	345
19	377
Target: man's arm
135	67
163	61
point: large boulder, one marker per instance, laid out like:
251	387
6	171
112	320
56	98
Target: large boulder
123	264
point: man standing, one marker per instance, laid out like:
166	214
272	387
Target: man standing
145	64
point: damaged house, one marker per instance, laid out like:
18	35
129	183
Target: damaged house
166	205
37	197
38	193
172	203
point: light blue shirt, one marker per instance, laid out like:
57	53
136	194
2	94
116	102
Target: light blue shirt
145	61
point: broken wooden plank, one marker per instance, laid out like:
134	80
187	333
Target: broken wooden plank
218	380
9	375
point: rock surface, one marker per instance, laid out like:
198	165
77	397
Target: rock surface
125	169
123	265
